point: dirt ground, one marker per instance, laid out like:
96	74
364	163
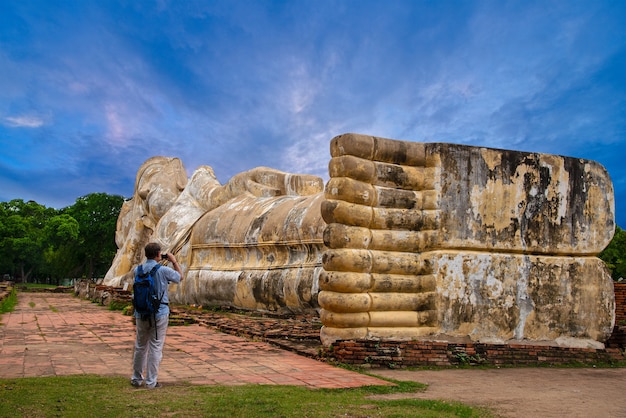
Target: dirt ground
527	392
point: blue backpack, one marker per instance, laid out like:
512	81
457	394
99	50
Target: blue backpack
145	299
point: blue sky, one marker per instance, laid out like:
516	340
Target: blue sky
91	89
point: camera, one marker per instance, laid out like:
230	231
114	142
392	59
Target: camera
164	256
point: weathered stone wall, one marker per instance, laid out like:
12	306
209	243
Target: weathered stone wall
104	295
448	241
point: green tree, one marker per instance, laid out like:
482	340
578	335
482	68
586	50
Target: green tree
61	235
22	239
614	255
44	243
97	215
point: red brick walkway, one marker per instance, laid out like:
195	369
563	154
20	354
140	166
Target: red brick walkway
52	334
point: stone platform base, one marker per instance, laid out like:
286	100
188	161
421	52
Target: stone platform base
430	353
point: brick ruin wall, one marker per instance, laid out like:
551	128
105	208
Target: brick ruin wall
429	353
620	303
618	337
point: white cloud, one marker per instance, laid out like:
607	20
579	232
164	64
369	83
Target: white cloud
23	121
115	127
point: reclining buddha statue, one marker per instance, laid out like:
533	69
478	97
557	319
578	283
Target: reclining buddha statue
406	240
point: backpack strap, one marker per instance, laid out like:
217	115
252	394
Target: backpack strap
141	274
154	269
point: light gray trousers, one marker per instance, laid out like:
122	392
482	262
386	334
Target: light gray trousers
149	350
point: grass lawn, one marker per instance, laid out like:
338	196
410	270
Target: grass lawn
35	285
85	395
8	303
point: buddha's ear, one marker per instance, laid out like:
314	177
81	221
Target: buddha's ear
148	222
181	174
143	193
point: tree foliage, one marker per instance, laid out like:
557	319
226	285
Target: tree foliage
97	215
614	255
45	244
21	237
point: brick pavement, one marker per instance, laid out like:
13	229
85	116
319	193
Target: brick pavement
51	334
